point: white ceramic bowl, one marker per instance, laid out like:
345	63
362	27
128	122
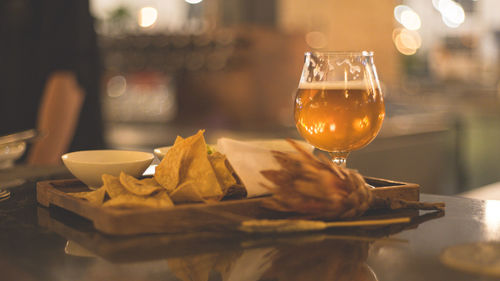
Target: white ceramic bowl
88	166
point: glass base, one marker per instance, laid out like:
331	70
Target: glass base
339	158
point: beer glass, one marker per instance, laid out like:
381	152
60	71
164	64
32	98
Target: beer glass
339	105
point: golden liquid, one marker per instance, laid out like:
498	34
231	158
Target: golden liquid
339	120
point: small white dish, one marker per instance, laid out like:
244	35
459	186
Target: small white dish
89	165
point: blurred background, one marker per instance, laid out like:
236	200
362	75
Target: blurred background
232	67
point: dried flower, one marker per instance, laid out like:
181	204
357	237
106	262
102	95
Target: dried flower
318	187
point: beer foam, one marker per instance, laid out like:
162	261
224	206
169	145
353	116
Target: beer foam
335	85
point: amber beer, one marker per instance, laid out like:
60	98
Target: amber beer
338	117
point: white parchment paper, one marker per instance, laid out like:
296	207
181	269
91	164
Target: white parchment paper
248	158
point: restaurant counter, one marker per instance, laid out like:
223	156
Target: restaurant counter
38	243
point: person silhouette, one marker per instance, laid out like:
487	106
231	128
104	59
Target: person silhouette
49	76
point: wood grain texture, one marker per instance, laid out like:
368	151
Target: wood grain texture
221	216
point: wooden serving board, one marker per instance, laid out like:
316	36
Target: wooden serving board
221	216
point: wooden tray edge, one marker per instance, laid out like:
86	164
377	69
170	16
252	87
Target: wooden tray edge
117	221
47	195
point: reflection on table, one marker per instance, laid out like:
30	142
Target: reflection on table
34	246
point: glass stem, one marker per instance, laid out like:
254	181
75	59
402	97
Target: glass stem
339	158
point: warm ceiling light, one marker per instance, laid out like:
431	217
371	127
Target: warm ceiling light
147	17
116	86
407	17
407	42
316	39
410	20
452	13
398	10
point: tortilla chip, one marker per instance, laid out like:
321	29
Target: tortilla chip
199	169
223	174
95	197
167	173
139	187
151	181
164	199
186	173
186	192
159	200
178	139
113	186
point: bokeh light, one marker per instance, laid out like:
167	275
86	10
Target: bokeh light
435	3
410	20
452	13
492	209
193	1
147	17
116	86
316	39
407	42
398	10
407	17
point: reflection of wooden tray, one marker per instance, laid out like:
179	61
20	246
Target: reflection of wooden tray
79	231
182	218
136	247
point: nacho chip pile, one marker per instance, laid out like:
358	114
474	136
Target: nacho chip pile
128	191
187	173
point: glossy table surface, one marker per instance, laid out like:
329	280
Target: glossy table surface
38	243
